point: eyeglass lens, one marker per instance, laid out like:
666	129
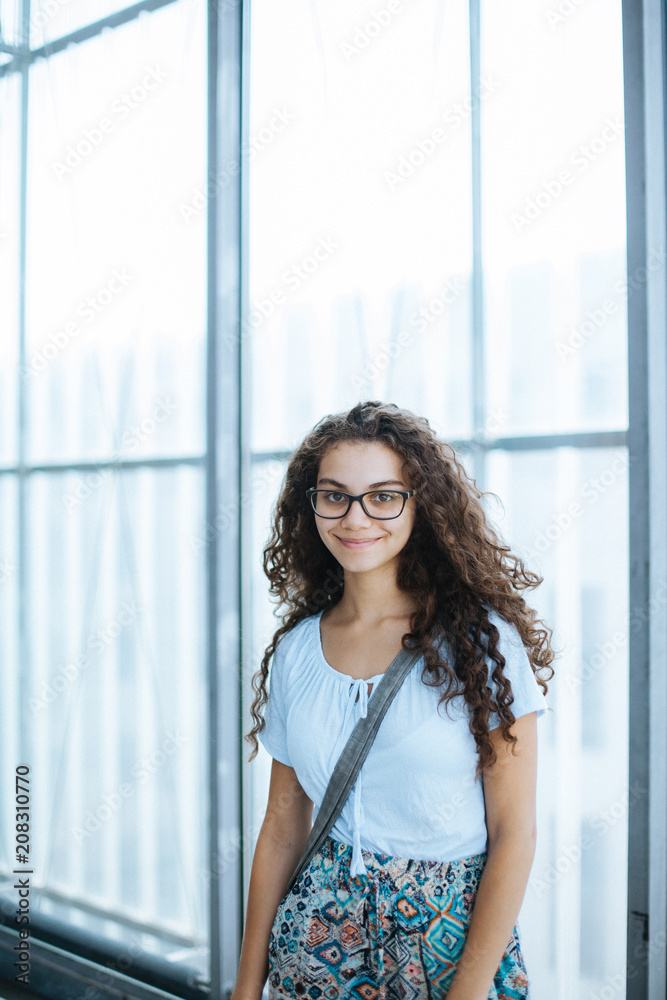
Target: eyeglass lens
383	504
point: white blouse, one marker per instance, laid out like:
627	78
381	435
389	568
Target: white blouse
416	794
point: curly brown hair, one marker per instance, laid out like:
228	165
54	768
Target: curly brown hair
454	563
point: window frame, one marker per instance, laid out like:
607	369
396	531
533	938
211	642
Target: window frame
644	41
77	961
228	464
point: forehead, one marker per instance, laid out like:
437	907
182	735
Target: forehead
370	461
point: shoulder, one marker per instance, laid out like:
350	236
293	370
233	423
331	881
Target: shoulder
295	646
518	668
509	640
528	696
306	628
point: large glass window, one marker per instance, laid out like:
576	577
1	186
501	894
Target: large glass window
103	479
556	363
418	202
494	307
352	283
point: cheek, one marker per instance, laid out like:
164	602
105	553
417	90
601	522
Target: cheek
321	530
407	531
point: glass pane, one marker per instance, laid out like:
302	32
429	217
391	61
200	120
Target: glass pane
9	265
116	279
10	723
114	705
51	19
10	22
554	216
566	514
360	202
267	477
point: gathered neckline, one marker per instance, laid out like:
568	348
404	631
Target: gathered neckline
325	663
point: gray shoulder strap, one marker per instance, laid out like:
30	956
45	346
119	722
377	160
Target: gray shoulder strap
353	755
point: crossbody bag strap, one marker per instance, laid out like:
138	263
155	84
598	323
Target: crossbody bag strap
353	756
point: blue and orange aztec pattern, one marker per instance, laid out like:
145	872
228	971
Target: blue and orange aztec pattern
396	933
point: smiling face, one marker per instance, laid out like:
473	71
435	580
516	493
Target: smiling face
361	543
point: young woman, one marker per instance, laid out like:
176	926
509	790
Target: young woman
379	539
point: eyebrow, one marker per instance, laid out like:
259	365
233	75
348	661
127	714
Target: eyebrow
373	486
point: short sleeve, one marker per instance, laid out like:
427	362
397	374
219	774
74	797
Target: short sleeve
528	695
274	735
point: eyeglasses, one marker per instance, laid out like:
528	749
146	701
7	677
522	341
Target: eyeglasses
381	505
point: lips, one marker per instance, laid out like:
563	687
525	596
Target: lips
357	543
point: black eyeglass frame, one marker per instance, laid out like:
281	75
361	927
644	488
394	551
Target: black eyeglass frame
406	494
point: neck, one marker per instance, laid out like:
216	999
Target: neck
374	596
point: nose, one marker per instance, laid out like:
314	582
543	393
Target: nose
356	515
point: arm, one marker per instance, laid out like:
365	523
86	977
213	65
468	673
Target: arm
280	844
509	798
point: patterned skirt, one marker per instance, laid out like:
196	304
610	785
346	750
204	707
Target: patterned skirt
396	933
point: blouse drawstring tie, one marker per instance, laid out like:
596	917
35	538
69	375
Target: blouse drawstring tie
358	689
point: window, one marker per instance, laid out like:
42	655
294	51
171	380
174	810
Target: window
471	218
219	222
103	480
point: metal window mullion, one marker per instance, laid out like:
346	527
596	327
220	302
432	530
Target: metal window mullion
23	630
224	488
644	78
211	503
538	442
93	465
478	380
248	662
25	55
655	96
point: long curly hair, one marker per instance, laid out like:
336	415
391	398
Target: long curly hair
453	563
